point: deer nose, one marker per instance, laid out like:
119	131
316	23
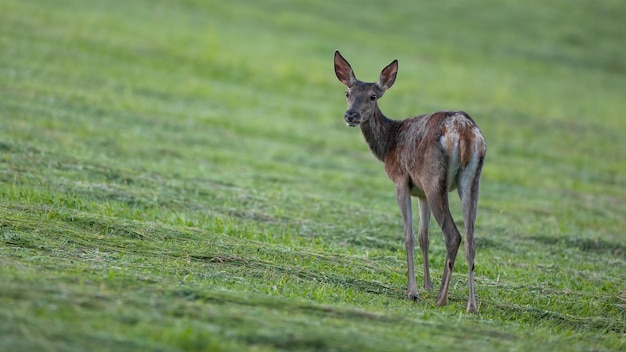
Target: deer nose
351	116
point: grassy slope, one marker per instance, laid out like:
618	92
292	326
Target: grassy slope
176	175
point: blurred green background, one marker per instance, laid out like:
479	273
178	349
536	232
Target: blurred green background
176	175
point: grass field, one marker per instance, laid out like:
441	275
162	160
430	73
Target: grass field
176	175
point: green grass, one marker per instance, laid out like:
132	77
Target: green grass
176	175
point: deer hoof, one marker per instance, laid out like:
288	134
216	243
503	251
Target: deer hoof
471	308
412	297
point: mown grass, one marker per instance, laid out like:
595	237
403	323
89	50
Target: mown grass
175	175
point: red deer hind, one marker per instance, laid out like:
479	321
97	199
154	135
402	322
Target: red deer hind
425	156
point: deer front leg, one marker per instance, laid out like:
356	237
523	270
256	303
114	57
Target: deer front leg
422	238
404	201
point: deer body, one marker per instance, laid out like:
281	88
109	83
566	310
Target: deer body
425	156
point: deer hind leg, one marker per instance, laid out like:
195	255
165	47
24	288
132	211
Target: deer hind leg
468	192
438	201
422	237
404	202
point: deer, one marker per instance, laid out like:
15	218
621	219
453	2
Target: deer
425	156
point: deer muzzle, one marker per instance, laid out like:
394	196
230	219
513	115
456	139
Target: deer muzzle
352	118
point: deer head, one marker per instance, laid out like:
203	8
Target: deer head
362	97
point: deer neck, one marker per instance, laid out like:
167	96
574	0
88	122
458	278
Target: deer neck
378	131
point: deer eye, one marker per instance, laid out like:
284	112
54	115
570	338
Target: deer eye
373	97
347	94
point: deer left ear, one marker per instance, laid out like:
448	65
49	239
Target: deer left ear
343	71
388	76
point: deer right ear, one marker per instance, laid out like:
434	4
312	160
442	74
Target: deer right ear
343	70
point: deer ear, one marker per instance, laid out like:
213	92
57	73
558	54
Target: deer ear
388	76
343	70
